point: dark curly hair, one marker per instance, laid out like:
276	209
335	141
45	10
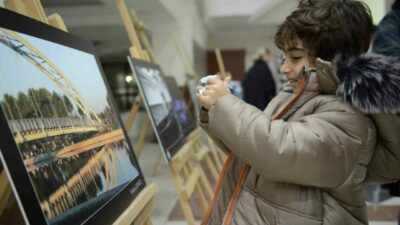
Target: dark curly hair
328	27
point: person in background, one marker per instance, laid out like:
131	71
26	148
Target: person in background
387	42
258	84
387	36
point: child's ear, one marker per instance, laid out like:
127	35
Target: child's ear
312	61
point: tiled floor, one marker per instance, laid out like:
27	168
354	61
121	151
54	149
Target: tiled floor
155	170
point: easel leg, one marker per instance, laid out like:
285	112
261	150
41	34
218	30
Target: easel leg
211	166
214	151
187	211
5	191
206	184
199	191
184	202
142	136
132	114
148	222
202	199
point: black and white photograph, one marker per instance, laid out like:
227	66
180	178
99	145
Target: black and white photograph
160	105
185	117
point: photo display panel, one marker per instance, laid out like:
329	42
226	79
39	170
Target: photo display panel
63	145
159	105
191	84
185	117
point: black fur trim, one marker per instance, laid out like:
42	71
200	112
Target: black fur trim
370	82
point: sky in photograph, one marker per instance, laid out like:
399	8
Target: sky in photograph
17	74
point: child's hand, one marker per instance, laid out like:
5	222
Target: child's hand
214	89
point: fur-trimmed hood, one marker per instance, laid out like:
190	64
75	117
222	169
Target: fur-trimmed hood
370	83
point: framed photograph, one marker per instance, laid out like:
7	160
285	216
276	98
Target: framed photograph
185	117
191	84
159	104
63	145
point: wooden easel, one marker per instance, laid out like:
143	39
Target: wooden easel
218	153
189	69
185	167
136	51
140	210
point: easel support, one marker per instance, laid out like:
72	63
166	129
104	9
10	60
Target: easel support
189	178
5	191
220	61
140	209
185	167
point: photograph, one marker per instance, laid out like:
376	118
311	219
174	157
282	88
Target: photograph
160	106
185	117
191	84
65	127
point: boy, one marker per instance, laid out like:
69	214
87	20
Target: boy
303	160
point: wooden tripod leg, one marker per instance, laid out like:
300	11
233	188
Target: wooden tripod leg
35	10
55	20
142	136
214	152
16	6
206	157
220	61
132	114
5	191
206	185
183	198
201	198
129	26
211	167
148	222
140	209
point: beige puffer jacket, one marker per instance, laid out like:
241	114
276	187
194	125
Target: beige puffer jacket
307	168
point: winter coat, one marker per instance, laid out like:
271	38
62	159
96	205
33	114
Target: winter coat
387	35
307	168
259	85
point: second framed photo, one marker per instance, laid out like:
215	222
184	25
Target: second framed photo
160	106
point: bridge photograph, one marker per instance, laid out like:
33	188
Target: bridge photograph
64	124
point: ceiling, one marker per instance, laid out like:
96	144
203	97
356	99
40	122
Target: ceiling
257	17
100	22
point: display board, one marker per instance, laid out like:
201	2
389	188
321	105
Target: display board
159	104
185	117
191	84
63	145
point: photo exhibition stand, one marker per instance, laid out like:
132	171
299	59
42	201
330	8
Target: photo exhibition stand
139	211
218	155
186	165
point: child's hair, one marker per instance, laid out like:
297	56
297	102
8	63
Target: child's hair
328	27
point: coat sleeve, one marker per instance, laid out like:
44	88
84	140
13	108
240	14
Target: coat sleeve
203	122
320	149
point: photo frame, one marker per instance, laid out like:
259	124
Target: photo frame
159	104
64	147
185	117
